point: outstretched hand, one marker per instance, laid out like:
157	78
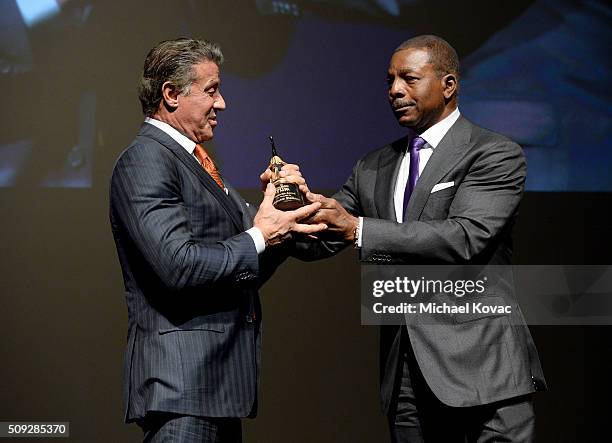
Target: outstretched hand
277	226
340	223
289	173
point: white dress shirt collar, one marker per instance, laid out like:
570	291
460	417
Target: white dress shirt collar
436	133
177	136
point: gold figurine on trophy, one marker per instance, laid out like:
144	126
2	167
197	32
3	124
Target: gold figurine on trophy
288	195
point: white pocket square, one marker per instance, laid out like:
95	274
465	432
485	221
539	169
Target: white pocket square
441	186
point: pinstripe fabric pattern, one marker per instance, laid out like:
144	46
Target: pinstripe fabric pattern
191	277
169	428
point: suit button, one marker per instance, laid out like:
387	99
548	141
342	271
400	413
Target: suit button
249	318
537	384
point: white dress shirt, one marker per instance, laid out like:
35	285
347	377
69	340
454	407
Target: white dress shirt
432	137
189	145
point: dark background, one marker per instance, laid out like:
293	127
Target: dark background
64	322
63	313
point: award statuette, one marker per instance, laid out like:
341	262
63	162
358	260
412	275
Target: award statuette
288	196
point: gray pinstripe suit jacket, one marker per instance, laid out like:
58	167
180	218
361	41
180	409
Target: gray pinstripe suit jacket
476	360
191	277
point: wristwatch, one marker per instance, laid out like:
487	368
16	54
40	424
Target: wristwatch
356	231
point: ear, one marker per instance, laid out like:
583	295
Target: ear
449	85
170	95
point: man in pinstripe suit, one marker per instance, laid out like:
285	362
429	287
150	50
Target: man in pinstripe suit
193	255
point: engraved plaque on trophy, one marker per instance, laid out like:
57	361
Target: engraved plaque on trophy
288	195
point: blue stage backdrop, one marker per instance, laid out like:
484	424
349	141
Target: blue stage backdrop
313	74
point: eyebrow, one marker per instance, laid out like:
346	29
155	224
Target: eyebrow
407	71
215	82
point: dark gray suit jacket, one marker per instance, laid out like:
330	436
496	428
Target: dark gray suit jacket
191	277
476	360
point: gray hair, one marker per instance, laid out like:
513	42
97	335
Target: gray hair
173	61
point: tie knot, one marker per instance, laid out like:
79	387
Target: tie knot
417	143
200	152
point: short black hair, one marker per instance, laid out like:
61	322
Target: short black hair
441	54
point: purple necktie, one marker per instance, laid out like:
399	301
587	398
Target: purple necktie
415	146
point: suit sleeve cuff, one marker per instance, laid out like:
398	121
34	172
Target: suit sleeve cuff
258	239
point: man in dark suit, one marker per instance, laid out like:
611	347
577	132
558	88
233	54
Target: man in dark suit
448	193
193	255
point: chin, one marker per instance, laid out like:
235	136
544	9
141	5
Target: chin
207	135
406	122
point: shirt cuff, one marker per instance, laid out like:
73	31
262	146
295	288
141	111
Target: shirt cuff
258	239
359	231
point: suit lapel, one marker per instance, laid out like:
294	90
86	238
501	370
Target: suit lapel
446	155
240	205
192	164
386	175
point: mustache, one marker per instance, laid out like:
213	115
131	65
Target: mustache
399	103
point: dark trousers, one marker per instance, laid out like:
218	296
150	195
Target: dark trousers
164	427
418	416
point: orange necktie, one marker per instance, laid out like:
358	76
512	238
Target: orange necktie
208	164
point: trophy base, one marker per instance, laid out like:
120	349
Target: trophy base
288	205
288	197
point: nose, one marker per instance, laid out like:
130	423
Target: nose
219	104
395	89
